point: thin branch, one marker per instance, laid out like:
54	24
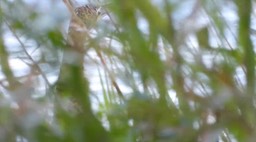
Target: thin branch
112	79
25	51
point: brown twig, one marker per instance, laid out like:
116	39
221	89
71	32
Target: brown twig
112	79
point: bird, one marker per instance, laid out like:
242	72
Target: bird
83	19
72	85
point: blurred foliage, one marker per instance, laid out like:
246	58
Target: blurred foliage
155	71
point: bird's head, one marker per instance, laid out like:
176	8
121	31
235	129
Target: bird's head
89	14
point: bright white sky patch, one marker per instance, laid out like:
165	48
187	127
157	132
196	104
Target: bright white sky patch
19	66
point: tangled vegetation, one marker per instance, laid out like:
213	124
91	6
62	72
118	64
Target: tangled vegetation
148	71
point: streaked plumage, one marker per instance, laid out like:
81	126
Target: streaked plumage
89	14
